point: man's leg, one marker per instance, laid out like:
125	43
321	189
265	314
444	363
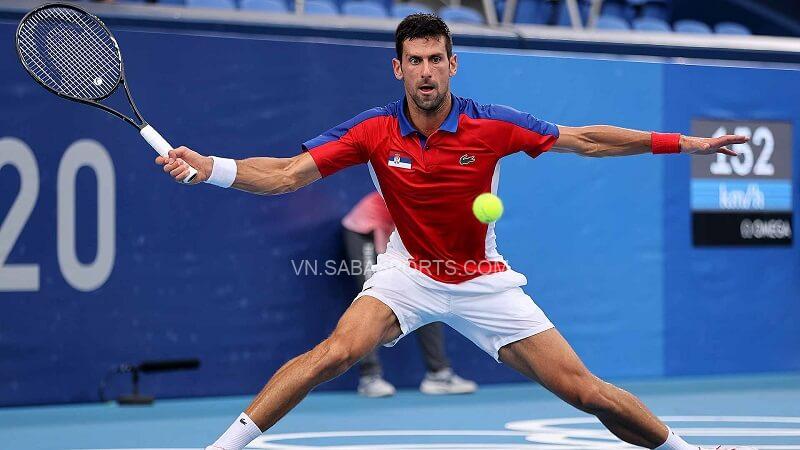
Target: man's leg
548	359
366	324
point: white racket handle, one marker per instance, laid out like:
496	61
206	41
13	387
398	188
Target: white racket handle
161	145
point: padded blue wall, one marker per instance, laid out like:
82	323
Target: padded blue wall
202	272
728	310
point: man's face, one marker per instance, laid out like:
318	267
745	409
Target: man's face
425	71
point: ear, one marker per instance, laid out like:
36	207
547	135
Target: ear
453	65
397	68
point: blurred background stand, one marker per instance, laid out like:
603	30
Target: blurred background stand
136	398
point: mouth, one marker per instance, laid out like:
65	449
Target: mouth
427	89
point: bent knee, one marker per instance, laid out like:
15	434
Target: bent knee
335	355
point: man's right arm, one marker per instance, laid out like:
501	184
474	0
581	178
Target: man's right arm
270	176
263	175
340	147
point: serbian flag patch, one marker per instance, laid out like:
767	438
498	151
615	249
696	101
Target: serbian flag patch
399	160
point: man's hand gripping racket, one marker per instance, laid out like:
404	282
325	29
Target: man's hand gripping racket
179	162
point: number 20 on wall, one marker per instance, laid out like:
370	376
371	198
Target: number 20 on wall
83	277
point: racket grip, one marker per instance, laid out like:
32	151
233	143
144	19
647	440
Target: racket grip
163	147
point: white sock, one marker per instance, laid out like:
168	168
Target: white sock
241	432
675	442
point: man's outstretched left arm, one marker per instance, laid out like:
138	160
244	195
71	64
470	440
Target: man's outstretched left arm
604	140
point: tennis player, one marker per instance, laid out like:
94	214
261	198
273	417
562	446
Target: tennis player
430	154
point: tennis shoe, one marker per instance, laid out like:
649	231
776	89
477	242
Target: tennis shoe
445	382
373	386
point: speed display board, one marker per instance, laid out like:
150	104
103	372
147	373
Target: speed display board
744	200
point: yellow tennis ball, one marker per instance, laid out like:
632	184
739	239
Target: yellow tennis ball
487	207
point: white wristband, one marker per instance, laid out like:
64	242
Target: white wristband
223	172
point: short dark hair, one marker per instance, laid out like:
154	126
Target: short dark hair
422	26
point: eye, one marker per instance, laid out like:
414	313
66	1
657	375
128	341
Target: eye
414	60
436	59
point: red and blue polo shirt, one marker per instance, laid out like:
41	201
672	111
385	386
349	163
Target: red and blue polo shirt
429	184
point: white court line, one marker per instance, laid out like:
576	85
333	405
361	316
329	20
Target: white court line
539	434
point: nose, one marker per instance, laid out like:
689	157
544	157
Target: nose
426	70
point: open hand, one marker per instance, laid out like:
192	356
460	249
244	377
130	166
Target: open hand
708	146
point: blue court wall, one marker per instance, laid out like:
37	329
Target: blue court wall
202	272
728	310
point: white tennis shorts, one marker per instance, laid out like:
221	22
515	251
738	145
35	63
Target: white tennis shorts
490	310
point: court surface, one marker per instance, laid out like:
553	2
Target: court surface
759	410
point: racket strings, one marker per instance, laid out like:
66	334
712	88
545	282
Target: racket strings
32	57
67	51
56	58
59	75
67	61
70	52
77	57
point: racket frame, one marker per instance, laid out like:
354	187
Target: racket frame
91	102
94	102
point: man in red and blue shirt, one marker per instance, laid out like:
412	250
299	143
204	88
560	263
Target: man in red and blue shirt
430	154
429	181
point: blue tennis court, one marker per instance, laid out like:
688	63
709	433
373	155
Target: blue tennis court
758	410
626	170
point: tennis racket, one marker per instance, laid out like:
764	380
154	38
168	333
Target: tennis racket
73	55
